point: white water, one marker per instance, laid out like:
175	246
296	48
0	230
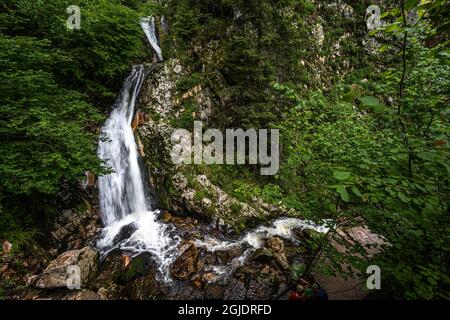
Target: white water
122	195
149	27
254	239
124	203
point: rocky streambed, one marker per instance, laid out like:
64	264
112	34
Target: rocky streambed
210	263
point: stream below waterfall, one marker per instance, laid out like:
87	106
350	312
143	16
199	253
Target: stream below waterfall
131	222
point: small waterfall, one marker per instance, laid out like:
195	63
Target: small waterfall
130	224
122	191
254	239
149	27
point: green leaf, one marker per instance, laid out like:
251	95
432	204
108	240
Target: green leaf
356	191
369	101
342	175
428	156
342	190
402	197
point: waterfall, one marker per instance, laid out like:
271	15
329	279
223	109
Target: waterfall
122	191
130	223
149	27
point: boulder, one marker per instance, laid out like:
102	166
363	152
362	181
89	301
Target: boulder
82	295
140	266
236	290
145	288
7	246
57	274
186	264
276	247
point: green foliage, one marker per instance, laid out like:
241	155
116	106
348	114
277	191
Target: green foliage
249	45
386	162
54	83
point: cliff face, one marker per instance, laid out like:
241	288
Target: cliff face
196	87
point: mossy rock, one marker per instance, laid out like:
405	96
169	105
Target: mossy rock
140	266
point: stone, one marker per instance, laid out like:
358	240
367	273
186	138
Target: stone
7	246
186	264
140	266
276	246
214	292
82	295
145	288
31	280
4	268
235	290
125	233
259	289
166	217
57	272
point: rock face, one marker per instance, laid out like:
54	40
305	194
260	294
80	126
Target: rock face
276	246
57	273
186	264
177	189
82	295
73	229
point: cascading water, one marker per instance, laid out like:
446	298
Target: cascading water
123	200
149	27
122	192
254	239
131	224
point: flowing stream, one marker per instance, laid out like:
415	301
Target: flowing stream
130	220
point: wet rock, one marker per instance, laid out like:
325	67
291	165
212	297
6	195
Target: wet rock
56	274
186	264
263	255
125	233
214	292
82	295
276	247
166	217
235	290
145	288
222	257
140	266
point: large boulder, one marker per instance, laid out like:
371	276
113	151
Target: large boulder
186	264
58	273
81	295
276	246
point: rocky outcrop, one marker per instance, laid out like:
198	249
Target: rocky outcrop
58	272
74	229
178	188
276	247
186	264
81	295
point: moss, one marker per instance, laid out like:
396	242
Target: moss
139	267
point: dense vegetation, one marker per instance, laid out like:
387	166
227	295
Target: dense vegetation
369	147
364	134
55	84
